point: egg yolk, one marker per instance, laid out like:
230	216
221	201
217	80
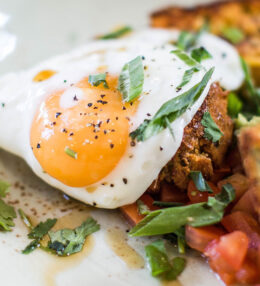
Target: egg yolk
82	143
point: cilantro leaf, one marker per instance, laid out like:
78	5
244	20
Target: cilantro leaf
68	241
34	244
234	35
200	182
169	220
171	110
131	79
7	214
211	130
42	229
4	186
142	208
159	263
117	34
97	79
200	54
235	105
25	219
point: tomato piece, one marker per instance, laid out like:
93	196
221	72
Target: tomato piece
170	193
197	196
199	237
131	212
248	273
246	203
227	254
219	174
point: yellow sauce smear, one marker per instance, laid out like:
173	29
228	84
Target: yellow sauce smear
44	75
60	264
117	240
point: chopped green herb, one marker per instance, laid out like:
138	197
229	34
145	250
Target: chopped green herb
171	110
234	35
7	214
169	220
142	208
97	79
181	242
211	130
131	79
68	241
187	76
167	204
235	105
34	244
117	34
159	263
242	121
185	58
200	182
4	186
200	54
71	153
25	219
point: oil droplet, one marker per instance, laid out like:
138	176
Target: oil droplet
117	241
60	264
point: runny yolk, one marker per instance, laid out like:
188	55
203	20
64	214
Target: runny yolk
81	144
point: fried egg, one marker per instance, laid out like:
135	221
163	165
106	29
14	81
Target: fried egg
75	136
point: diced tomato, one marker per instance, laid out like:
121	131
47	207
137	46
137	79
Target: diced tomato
245	222
227	254
199	237
246	203
170	193
248	273
131	212
219	174
239	182
197	196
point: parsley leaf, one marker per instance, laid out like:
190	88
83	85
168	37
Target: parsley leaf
4	189
68	241
159	262
235	104
117	34
7	214
97	79
234	35
131	79
169	220
199	182
171	110
211	130
200	54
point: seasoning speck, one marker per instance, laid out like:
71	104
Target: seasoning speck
38	146
111	145
57	114
125	180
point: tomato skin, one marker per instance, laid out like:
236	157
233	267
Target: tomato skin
197	196
227	254
170	193
198	238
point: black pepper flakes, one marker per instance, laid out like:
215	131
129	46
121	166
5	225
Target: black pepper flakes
38	146
124	108
116	118
90	104
178	89
108	120
125	180
111	145
102	95
64	130
57	114
96	137
71	134
112	185
132	143
148	114
161	148
94	204
75	98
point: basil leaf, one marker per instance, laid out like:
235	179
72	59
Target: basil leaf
157	258
142	208
69	241
171	110
97	79
235	105
211	130
4	189
185	58
131	79
7	214
42	229
200	54
199	182
117	34
169	220
234	35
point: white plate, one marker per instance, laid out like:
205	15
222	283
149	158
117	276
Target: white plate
43	29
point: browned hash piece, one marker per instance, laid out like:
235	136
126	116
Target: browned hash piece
196	153
242	15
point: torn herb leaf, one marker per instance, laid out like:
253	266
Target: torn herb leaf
200	183
234	35
200	54
169	220
4	186
171	110
69	241
211	130
98	79
117	33
187	76
25	219
185	58
131	79
235	105
7	215
31	246
186	40
142	207
42	229
178	265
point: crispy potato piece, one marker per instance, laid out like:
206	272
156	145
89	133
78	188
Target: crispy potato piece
242	15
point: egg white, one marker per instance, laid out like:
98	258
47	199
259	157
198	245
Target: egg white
21	97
